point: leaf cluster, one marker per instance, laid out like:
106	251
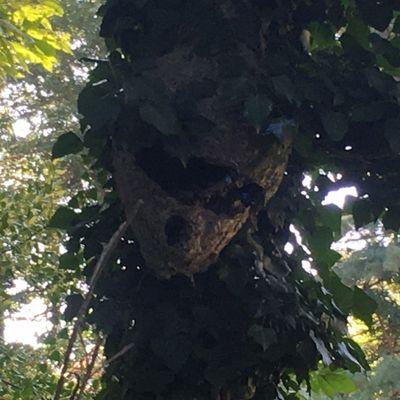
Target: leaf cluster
27	36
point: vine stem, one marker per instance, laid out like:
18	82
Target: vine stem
101	263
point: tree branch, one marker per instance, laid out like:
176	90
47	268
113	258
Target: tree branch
101	263
124	350
89	370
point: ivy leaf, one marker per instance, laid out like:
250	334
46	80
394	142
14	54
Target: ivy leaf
265	337
323	36
357	359
98	105
257	110
363	306
377	14
392	134
284	87
69	261
162	118
359	31
68	143
74	302
62	218
331	216
320	241
105	315
391	219
396	26
320	345
343	296
173	350
367	112
335	124
362	212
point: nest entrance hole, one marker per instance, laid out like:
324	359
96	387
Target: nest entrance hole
173	176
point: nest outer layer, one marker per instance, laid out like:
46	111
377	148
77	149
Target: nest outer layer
200	233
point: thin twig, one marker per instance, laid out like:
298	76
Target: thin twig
83	346
78	382
101	263
124	350
89	370
8	383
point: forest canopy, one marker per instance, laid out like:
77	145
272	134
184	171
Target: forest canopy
27	36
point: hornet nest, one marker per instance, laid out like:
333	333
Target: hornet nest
192	210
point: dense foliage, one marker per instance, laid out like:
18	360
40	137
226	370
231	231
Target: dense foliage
188	91
27	36
36	105
376	269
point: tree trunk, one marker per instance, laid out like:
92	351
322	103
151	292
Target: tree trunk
201	291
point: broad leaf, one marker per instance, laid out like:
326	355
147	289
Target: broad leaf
68	143
335	124
257	110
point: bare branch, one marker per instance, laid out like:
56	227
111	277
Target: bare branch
89	370
78	381
101	263
124	350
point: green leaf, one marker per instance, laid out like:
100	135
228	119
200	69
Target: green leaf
392	134
335	124
28	37
68	143
323	36
62	219
359	31
377	14
69	261
74	302
332	383
173	350
396	26
257	110
322	350
368	112
391	218
98	105
343	296
331	216
265	337
363	212
320	241
349	349
363	306
284	87
162	118
55	356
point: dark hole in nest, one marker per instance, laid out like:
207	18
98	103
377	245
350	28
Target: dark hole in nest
172	176
177	230
249	195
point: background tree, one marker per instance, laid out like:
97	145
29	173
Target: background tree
376	269
37	104
28	37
